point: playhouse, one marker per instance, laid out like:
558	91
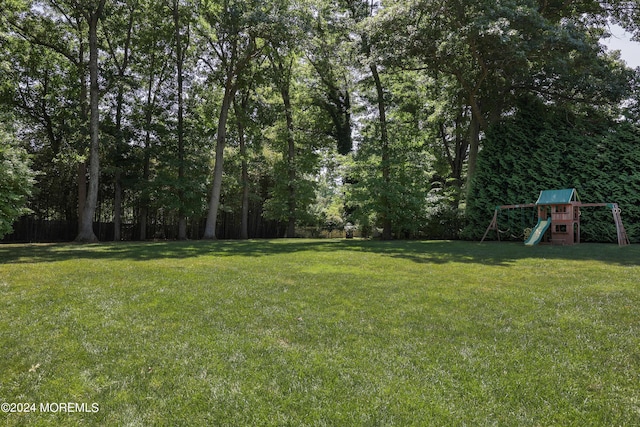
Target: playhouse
559	218
559	212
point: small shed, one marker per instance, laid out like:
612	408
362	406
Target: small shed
563	208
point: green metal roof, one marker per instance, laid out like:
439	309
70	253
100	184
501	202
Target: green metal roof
557	197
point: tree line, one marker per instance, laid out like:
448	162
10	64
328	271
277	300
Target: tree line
243	118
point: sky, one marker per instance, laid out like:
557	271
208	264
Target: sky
629	50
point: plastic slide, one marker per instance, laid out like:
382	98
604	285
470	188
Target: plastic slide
538	232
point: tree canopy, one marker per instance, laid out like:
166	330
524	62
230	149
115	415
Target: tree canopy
241	118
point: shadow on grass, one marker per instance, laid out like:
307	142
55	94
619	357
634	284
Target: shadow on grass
434	252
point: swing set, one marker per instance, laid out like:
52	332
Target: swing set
558	218
494	222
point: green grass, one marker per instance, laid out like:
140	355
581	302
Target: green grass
308	332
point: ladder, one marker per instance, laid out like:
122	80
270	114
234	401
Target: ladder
623	239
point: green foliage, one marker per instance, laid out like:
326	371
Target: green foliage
403	199
328	210
16	182
276	206
448	70
330	52
490	53
445	218
542	147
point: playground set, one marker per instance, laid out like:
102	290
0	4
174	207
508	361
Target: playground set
559	218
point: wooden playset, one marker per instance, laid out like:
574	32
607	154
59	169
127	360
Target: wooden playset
559	218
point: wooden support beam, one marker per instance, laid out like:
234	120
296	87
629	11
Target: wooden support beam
492	226
527	205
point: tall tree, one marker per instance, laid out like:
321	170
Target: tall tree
496	51
241	117
181	43
92	13
328	49
154	72
38	86
55	29
118	28
34	26
361	11
282	57
231	30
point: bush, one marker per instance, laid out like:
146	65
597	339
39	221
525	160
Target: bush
16	182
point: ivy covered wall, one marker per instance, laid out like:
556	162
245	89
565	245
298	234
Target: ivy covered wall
542	147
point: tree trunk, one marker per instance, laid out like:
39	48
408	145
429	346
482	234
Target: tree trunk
144	214
216	189
117	197
146	172
85	233
291	162
474	146
117	209
385	203
146	168
182	227
120	143
244	220
84	117
82	190
456	155
182	218
244	215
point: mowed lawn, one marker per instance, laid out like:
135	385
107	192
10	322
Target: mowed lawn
320	332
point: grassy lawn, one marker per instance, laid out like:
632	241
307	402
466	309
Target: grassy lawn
310	332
